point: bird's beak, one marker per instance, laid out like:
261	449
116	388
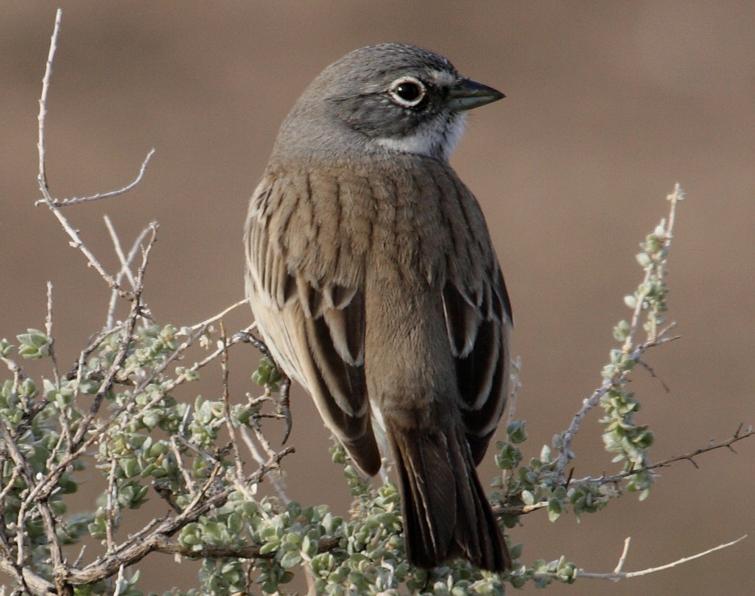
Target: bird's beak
467	94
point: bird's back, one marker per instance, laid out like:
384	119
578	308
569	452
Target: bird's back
376	285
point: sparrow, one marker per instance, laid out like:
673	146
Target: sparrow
374	283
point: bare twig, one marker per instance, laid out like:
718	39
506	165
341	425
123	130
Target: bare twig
652	373
623	556
739	435
65	427
221	314
48	332
188	480
513	398
188	511
520	509
42	173
227	402
95	342
103	195
47	198
31	582
618	575
59	568
198	450
275	478
238	472
112	504
250	551
9	486
80	556
118	581
23	466
125	266
516	387
16	371
124	343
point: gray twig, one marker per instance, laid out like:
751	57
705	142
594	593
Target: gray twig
618	575
103	195
739	435
48	332
125	262
47	198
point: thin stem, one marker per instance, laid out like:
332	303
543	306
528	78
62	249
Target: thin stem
103	195
221	314
617	574
48	332
125	267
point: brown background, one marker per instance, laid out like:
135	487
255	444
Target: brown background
609	104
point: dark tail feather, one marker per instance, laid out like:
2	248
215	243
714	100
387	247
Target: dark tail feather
446	512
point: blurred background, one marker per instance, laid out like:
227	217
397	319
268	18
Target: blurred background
609	104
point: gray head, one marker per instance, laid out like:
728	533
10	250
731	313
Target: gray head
383	98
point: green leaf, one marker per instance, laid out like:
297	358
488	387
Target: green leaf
33	344
516	431
290	559
269	547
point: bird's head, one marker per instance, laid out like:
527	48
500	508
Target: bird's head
388	97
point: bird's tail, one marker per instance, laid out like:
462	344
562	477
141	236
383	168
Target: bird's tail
446	513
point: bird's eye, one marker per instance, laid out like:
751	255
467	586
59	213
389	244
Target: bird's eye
407	92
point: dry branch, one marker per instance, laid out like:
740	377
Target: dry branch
618	574
160	529
103	195
739	435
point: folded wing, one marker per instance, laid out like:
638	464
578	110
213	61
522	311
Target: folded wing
313	321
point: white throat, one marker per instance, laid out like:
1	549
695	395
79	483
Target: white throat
438	138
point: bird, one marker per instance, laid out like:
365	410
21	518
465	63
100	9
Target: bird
374	283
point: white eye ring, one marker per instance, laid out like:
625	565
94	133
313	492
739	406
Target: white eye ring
407	91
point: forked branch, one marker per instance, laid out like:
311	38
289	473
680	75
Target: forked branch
619	574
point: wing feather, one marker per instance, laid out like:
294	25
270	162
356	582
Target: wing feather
311	319
482	366
478	319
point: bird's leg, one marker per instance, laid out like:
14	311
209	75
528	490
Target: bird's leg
282	410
